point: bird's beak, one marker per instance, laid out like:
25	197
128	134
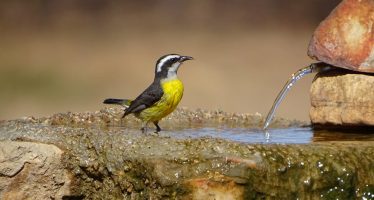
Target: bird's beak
184	58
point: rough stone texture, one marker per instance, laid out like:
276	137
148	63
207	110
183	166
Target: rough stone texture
111	162
32	171
342	98
215	188
346	37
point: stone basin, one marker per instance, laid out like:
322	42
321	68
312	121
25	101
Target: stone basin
199	155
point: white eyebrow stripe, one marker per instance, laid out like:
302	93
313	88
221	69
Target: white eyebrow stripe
162	61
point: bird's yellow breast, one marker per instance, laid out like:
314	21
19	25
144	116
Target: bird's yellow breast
173	92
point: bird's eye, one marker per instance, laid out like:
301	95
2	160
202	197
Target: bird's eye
174	59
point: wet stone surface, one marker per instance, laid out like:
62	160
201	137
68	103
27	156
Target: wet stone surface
111	159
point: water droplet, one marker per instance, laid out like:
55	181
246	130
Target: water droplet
307	182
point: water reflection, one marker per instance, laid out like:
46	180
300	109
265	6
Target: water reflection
347	135
295	135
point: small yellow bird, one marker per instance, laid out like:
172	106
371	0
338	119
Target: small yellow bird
161	97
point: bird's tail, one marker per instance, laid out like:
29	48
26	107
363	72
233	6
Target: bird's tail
123	102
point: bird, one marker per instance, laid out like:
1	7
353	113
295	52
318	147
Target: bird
161	97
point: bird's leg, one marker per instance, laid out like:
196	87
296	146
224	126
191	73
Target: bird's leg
144	127
158	129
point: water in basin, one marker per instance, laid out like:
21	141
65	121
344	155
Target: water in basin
293	135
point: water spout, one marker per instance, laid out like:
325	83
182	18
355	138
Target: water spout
313	68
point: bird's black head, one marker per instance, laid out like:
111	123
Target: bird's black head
167	66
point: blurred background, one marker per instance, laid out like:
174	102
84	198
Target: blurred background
59	56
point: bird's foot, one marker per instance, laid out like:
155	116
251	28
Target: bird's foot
144	130
158	130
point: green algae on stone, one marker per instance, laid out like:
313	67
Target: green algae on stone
123	163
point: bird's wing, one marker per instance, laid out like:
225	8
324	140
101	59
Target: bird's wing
146	99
